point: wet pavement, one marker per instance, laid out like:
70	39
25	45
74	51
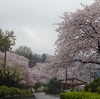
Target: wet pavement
42	95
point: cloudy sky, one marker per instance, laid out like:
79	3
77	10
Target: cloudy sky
32	21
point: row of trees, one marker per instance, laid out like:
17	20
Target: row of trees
7	39
11	75
33	58
8	66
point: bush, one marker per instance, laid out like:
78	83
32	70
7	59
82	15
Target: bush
45	89
93	86
98	89
79	95
37	85
5	91
11	76
53	87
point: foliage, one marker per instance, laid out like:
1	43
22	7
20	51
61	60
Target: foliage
22	63
35	59
5	91
79	37
79	95
43	58
12	76
24	51
7	39
45	89
27	53
37	85
93	86
53	87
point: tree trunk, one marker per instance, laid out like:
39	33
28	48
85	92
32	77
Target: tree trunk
66	80
5	54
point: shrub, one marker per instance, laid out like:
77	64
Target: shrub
11	76
79	95
98	89
37	85
5	91
93	86
45	89
53	87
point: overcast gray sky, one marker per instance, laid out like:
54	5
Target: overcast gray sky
32	21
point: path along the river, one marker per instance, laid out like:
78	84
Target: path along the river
45	96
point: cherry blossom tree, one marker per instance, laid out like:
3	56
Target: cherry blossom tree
79	36
20	61
78	43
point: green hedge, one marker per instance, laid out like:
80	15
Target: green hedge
6	91
79	95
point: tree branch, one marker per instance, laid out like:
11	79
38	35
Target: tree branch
79	60
87	62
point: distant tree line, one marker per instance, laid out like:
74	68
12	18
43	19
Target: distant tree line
33	57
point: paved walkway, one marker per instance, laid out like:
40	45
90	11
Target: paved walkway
42	95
